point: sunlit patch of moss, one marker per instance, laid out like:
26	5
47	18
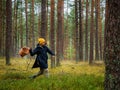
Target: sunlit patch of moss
17	65
69	67
79	68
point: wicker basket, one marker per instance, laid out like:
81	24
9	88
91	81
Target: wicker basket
24	51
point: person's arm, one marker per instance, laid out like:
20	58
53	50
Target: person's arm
32	53
50	52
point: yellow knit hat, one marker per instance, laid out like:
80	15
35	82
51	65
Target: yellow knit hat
41	41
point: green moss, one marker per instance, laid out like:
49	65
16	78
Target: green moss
69	76
54	82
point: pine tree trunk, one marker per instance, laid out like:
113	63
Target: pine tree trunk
30	30
77	32
91	34
1	27
39	21
112	46
62	35
33	35
96	31
86	32
100	30
47	21
21	27
8	30
59	32
43	18
80	32
52	32
26	13
15	45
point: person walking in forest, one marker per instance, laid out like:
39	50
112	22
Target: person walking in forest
41	60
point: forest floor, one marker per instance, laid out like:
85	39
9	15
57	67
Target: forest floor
68	76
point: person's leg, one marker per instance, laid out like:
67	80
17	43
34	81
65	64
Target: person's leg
46	72
39	73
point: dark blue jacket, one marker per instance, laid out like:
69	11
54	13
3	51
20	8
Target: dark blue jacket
42	57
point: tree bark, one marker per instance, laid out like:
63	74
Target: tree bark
33	35
91	34
8	30
39	20
1	28
62	35
43	18
26	13
21	27
52	31
77	32
112	46
100	30
86	31
96	31
15	29
59	32
80	31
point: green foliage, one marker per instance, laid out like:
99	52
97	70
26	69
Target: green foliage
54	82
13	76
69	76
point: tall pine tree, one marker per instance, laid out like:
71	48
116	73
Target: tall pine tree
112	46
8	30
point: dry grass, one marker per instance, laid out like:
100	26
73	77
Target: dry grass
80	68
70	67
